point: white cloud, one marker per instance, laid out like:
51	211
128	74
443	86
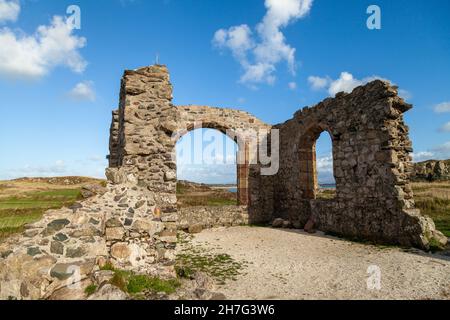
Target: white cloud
208	173
325	170
442	107
33	56
9	10
83	91
89	167
422	156
445	127
406	95
345	83
259	57
318	83
58	168
443	149
325	164
292	86
241	100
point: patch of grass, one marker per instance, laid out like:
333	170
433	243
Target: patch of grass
139	283
107	267
433	199
90	289
135	284
198	195
19	210
326	194
221	267
435	246
215	199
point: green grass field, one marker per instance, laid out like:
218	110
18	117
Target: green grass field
25	200
189	196
433	199
16	211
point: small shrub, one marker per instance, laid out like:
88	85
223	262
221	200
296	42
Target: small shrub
139	283
90	289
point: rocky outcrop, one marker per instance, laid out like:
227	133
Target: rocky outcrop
432	170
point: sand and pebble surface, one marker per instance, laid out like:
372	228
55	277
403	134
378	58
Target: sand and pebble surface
290	264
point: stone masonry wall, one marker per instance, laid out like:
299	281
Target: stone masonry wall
372	167
195	219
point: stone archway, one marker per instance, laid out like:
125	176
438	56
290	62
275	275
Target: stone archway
242	160
370	143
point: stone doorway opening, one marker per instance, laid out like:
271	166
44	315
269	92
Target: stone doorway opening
317	177
210	186
207	169
326	182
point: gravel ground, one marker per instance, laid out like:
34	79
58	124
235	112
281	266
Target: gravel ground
288	264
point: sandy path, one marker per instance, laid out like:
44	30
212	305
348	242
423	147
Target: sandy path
287	264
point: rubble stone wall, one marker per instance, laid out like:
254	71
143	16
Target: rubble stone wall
372	168
210	217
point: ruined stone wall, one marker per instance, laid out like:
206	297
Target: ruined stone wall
198	218
372	168
113	156
371	148
240	126
146	128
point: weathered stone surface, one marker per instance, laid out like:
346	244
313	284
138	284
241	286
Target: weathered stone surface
58	224
309	227
63	271
115	233
60	237
33	251
56	247
150	227
120	250
208	217
278	223
109	292
74	292
113	222
75	252
195	228
86	231
90	190
103	276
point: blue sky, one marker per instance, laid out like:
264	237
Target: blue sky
58	85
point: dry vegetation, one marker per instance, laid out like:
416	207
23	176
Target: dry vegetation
24	201
434	200
193	194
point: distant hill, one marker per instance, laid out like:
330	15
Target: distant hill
61	181
432	170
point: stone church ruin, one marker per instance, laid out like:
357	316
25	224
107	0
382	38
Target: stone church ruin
371	153
134	224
